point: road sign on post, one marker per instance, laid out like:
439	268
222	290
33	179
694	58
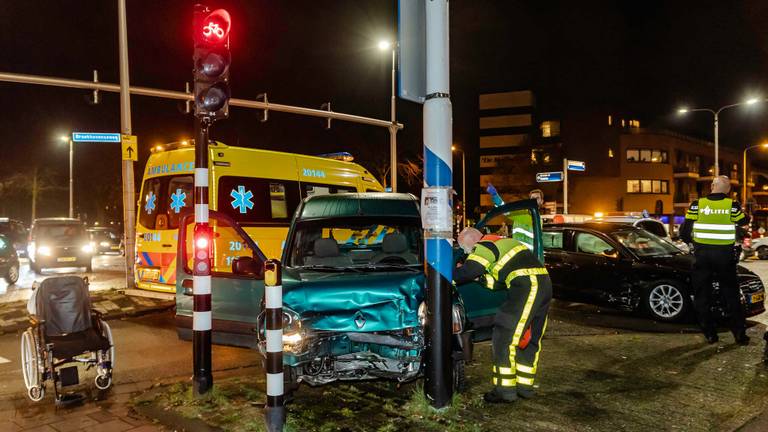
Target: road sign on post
576	166
553	176
96	137
130	147
412	43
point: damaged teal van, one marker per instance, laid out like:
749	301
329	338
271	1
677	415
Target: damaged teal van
353	287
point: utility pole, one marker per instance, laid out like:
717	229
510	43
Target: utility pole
71	179
393	126
34	194
437	208
129	196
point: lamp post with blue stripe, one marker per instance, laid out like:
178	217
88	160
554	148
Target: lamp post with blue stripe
437	208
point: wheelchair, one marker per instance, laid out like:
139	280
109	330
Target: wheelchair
65	331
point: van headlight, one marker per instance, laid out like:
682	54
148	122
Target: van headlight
87	248
104	244
42	250
422	313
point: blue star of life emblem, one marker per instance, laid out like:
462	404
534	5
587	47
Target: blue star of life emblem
242	199
177	200
150	205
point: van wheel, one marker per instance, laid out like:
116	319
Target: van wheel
762	252
459	376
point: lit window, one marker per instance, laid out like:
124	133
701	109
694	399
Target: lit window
550	128
610	153
633	186
648	186
610	121
633	155
622	123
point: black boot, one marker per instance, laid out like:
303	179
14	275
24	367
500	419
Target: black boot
500	396
741	337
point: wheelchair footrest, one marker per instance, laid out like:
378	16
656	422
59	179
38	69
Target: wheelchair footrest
68	376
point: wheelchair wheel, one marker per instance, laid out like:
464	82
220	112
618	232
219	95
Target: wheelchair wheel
30	366
104	374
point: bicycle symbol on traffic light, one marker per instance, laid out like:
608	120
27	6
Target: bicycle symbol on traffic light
213	29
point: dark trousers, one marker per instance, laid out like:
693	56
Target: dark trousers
717	262
527	304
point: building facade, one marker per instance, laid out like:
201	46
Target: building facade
628	168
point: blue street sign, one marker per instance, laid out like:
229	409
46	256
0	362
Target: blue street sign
576	166
96	137
554	176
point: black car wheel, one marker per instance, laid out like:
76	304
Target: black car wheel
762	252
665	301
12	276
34	267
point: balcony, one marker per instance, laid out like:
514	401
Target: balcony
683	200
683	172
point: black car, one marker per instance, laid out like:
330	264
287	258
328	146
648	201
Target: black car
630	269
16	233
9	261
106	240
59	242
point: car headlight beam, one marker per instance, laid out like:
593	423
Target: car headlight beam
43	250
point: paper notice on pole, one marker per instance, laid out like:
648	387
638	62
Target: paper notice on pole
436	209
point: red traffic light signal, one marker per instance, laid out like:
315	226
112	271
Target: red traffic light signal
212	59
214	27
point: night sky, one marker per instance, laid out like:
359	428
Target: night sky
641	58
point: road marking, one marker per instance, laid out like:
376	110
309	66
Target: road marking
4	360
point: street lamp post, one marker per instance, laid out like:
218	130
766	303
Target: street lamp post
716	115
71	180
383	46
744	170
463	186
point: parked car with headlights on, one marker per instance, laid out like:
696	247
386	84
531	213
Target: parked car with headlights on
106	240
9	261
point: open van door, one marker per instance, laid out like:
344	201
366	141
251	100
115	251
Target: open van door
519	220
237	281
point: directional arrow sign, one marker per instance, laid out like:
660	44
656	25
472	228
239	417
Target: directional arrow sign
554	176
130	147
95	137
576	165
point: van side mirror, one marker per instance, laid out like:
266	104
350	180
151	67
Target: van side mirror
248	266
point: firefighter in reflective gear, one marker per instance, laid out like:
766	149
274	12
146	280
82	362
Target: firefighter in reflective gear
710	224
511	265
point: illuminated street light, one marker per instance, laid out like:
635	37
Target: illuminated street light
744	170
385	45
716	114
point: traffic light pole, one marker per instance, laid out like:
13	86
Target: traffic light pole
129	196
201	274
437	209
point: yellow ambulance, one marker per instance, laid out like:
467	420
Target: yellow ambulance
260	189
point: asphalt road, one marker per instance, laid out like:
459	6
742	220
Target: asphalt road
108	272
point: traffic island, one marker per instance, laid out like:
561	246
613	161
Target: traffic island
114	304
590	381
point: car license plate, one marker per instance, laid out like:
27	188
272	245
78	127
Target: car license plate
115	247
66	259
151	275
757	298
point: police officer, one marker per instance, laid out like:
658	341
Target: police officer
509	264
710	224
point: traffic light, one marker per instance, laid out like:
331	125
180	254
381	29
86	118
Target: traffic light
212	60
203	249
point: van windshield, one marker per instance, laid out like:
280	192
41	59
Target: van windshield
60	233
366	243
